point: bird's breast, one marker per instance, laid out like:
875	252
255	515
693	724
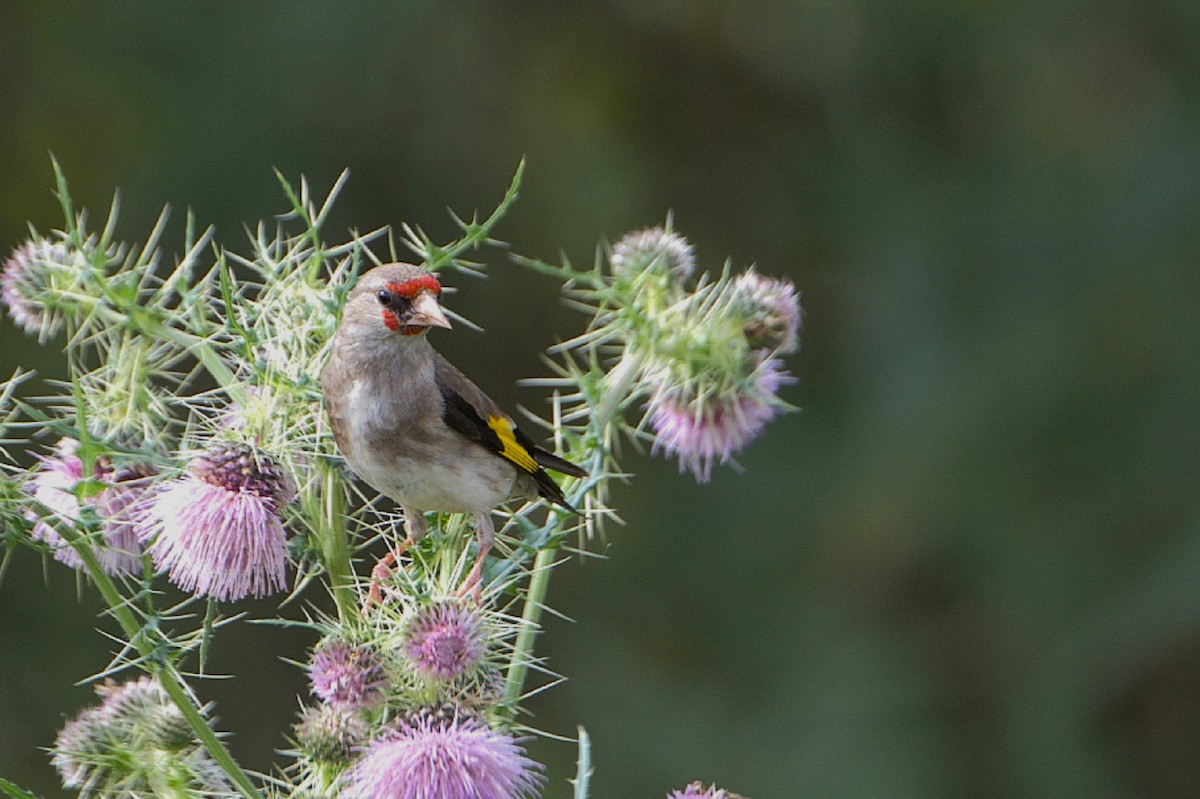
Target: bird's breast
401	447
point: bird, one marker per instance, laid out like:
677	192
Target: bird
415	428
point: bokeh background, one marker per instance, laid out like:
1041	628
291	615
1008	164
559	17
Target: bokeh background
970	567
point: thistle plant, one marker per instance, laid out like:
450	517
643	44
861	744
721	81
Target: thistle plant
188	446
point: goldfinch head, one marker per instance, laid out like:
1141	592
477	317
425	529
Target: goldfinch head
395	300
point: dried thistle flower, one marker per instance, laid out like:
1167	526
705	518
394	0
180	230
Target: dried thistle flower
330	734
771	308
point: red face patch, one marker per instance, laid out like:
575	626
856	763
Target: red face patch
409	289
390	320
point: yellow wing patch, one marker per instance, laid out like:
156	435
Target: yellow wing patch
510	449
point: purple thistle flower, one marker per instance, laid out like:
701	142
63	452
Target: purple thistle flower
696	790
653	247
432	754
445	640
217	530
53	486
347	677
701	431
772	310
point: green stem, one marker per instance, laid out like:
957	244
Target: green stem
539	584
119	609
620	380
205	733
583	766
335	547
476	233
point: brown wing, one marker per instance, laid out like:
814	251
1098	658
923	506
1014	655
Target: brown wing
473	414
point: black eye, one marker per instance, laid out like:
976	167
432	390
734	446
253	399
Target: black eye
384	296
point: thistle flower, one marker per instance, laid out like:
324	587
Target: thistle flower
347	677
54	485
696	790
653	248
135	740
217	530
771	308
445	640
444	754
700	430
40	282
330	734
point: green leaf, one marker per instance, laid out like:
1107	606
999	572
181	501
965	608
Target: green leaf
16	792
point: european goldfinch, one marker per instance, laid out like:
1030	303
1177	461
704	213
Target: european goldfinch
413	427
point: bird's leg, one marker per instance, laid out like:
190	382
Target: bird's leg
414	529
486	533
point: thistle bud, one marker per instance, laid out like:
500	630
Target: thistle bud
133	741
654	249
330	734
445	641
345	676
42	282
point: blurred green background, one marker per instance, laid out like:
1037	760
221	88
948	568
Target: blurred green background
969	568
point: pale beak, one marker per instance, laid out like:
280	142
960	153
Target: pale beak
426	311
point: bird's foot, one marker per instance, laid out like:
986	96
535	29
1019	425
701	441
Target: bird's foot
383	570
473	585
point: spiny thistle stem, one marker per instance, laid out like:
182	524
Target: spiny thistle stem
583	766
621	380
531	614
474	233
206	735
335	547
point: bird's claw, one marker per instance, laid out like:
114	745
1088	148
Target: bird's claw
382	570
473	585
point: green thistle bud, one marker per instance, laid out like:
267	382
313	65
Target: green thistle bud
44	282
770	309
167	729
330	734
135	741
653	250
